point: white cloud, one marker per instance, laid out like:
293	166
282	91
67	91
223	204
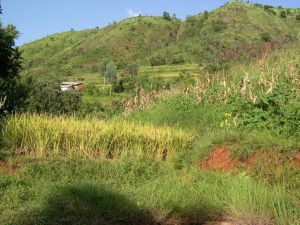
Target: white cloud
132	13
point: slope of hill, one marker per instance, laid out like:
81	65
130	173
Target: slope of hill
75	52
235	31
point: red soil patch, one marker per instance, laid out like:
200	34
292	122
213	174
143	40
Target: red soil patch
295	164
7	168
220	159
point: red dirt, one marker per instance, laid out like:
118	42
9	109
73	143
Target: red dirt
295	164
7	168
220	159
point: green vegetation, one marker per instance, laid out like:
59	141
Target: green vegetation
10	61
180	135
46	97
145	166
91	138
212	39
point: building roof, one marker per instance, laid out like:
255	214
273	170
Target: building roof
71	83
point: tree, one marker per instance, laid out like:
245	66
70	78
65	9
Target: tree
10	63
108	70
166	16
102	68
111	72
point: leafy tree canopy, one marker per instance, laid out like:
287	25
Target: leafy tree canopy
10	64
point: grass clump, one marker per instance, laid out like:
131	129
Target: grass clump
44	136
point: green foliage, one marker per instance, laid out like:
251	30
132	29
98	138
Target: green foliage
181	111
213	39
76	191
266	37
166	15
283	14
46	97
278	111
132	69
178	59
157	60
103	65
111	72
108	69
267	7
10	61
298	17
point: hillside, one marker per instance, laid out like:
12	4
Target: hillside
235	31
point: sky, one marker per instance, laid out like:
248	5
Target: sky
35	19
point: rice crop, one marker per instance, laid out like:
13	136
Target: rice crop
41	135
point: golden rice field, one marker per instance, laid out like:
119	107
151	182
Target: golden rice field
40	135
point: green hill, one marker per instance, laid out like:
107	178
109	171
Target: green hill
235	31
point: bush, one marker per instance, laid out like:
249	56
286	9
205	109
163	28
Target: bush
132	69
157	61
283	14
46	97
298	17
278	112
178	59
266	37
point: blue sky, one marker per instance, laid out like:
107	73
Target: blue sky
38	18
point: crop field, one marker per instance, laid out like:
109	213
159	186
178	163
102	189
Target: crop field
181	122
91	138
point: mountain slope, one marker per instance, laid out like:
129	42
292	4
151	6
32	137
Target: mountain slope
234	32
76	52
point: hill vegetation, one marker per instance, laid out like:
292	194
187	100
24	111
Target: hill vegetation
236	31
213	135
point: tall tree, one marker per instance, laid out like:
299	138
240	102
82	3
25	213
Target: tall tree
10	66
111	72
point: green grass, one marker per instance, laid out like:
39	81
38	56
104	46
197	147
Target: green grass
131	191
230	33
143	168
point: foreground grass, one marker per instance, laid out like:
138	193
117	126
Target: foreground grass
134	191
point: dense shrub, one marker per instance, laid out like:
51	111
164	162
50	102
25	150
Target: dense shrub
46	97
266	37
157	61
278	112
178	59
298	17
283	14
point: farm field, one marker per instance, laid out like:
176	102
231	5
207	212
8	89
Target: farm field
179	122
179	160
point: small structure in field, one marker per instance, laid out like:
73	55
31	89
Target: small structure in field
70	86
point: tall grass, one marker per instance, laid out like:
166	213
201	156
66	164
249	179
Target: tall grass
41	135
